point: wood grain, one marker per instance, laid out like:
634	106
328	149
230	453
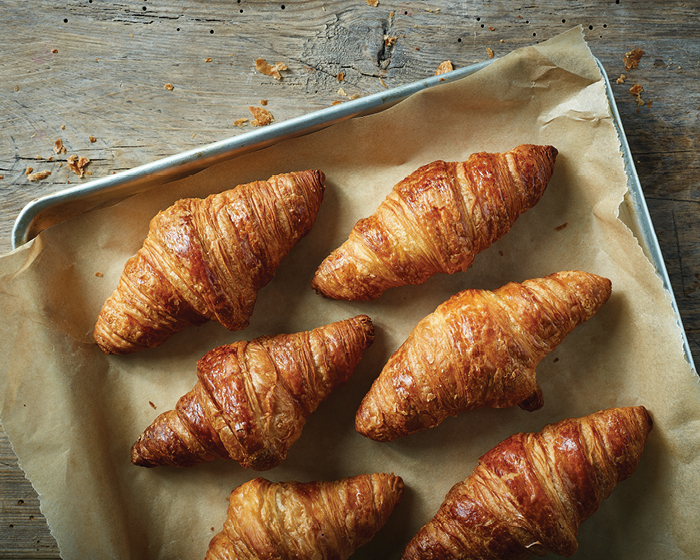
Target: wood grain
78	69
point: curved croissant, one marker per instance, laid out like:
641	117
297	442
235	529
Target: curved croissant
436	220
305	521
252	399
530	493
206	259
478	349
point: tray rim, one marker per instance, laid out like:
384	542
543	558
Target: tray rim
126	183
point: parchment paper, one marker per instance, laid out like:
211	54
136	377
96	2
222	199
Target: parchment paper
72	413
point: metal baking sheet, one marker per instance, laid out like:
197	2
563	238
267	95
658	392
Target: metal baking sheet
57	207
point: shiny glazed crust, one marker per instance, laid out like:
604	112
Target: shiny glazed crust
478	349
252	399
436	220
206	259
300	521
530	493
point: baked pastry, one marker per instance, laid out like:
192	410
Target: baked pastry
436	220
252	399
478	349
530	493
305	521
206	259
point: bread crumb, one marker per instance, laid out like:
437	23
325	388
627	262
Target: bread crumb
99	274
636	89
561	227
341	91
38	176
632	58
489	52
169	86
262	116
373	3
621	79
240	122
444	67
340	77
92	139
262	66
263	102
152	405
390	41
77	164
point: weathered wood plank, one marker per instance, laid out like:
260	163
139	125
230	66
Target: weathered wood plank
112	60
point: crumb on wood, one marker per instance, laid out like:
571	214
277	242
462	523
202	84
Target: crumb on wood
340	77
492	28
263	102
444	67
54	51
58	146
77	164
632	58
208	59
373	3
240	122
39	175
489	52
92	139
341	91
621	79
169	86
2	177
63	127
28	170
262	66
390	41
561	227
354	96
649	104
382	82
262	116
336	102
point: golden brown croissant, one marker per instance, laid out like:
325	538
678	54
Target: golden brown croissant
478	349
436	220
530	493
251	399
300	521
206	259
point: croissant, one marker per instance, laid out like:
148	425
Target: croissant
251	399
436	220
530	493
478	349
206	259
300	521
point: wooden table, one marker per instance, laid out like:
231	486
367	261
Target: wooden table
93	73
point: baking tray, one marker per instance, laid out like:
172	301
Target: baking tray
52	209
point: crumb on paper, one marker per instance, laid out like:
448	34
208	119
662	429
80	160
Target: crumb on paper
153	406
354	96
39	175
262	66
263	102
561	227
632	58
500	253
390	41
340	77
99	274
621	79
373	3
169	86
240	122
77	164
489	52
92	139
444	67
341	91
262	116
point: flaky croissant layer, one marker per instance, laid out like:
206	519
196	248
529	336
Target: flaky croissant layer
436	220
530	493
478	349
252	399
305	521
206	259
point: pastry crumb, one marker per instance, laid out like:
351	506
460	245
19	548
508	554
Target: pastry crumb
632	58
169	86
58	146
77	164
637	90
263	102
336	102
99	274
63	127
492	28
354	96
153	406
262	66
262	116
38	176
561	227
341	91
373	3
240	122
92	139
444	67
340	77
621	79
390	41
208	59
382	82
489	52
54	51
